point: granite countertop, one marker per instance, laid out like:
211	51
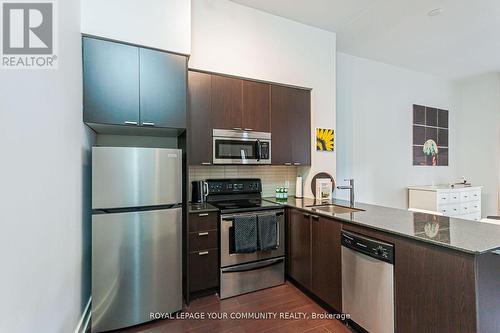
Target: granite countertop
462	235
201	208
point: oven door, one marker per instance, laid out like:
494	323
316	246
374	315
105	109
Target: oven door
230	258
237	147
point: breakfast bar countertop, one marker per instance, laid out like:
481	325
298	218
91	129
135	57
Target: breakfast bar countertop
463	235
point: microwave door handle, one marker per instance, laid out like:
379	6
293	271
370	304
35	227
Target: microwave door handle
258	152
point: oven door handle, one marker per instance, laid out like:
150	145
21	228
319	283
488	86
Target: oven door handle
253	266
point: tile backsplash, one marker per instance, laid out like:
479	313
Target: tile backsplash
271	176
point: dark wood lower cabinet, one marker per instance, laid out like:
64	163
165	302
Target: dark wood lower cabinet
326	261
204	270
300	247
314	256
203	255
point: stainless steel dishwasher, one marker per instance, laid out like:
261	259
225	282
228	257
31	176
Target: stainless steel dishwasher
368	282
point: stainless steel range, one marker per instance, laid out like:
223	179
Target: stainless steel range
252	236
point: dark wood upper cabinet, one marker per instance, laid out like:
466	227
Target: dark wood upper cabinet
300	248
256	106
130	85
227	103
281	143
290	126
162	89
110	82
301	127
200	120
326	261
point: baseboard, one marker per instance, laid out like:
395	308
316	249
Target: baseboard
83	324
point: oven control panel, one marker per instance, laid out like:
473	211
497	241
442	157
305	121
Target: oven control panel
228	186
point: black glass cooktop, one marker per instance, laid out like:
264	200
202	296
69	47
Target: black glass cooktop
244	205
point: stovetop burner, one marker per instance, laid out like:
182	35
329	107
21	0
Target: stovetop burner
238	195
245	205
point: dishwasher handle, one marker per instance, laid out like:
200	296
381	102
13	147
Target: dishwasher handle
371	247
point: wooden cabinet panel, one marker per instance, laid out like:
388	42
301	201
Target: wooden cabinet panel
200	120
301	126
281	122
204	270
110	82
162	89
201	240
300	248
226	102
256	106
202	221
290	126
434	288
326	261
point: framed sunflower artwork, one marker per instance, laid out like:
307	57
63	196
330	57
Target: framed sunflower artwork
325	139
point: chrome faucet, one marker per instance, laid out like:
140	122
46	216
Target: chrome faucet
350	188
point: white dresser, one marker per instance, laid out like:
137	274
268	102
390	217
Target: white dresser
462	202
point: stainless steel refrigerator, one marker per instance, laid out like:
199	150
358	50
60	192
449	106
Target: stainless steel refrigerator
136	235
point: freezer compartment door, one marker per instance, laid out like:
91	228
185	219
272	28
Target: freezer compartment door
135	177
136	267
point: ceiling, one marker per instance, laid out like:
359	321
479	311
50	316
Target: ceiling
463	40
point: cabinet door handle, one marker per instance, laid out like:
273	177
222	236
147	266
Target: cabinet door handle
238	128
315	217
249	129
296	163
204	253
203	234
131	123
306	215
206	163
148	124
288	163
203	214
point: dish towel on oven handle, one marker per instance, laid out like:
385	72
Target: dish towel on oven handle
245	234
268	231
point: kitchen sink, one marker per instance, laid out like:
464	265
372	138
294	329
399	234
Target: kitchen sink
336	209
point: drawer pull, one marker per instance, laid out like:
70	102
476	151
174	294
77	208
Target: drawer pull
466	196
203	234
296	163
206	163
204	253
288	163
315	217
306	215
148	124
203	215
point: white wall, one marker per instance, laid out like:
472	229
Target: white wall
479	137
374	128
44	242
163	24
234	39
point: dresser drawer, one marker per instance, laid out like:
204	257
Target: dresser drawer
203	270
202	240
454	197
475	206
449	210
465	196
443	198
202	221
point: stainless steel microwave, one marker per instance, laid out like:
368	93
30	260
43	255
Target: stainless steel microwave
241	147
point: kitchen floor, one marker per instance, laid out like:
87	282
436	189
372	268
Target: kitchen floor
285	298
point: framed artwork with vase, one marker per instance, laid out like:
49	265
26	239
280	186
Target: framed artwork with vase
430	136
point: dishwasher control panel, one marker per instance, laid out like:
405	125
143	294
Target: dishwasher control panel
369	246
